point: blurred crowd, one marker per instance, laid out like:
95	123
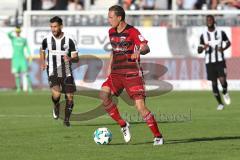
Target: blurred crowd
56	4
15	16
208	4
136	4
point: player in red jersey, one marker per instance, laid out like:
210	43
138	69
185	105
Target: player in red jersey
125	72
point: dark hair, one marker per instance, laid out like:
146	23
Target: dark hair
119	11
211	16
56	19
18	27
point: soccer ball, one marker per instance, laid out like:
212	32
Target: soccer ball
102	136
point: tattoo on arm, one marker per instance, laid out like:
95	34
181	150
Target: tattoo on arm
75	58
144	49
42	55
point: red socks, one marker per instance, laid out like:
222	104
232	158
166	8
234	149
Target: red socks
152	124
149	118
113	112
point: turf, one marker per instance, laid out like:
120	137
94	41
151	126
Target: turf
193	129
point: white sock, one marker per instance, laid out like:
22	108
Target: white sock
25	82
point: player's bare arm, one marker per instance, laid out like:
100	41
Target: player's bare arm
228	44
201	48
143	50
74	58
43	64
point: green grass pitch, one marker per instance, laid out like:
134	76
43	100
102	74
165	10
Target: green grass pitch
192	127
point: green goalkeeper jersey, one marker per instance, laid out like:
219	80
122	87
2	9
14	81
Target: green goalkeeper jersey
19	44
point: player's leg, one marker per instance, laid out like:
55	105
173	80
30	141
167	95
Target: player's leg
109	106
56	95
68	108
226	96
17	81
15	71
224	84
110	87
150	120
135	88
216	94
212	75
26	79
222	74
68	87
26	82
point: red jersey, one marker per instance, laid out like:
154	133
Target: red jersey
123	46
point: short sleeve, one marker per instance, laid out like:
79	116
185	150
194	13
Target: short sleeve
224	36
201	40
44	44
72	45
138	38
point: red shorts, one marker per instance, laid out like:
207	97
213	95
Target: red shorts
133	84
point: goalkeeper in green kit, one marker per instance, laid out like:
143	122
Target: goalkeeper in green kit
19	60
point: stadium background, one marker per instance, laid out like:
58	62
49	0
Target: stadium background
192	127
173	35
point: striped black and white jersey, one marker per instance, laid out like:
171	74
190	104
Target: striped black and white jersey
56	49
215	40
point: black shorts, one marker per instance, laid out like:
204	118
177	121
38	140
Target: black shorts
67	84
216	70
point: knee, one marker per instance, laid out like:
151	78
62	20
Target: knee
106	100
69	102
69	99
142	109
56	99
104	96
223	82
